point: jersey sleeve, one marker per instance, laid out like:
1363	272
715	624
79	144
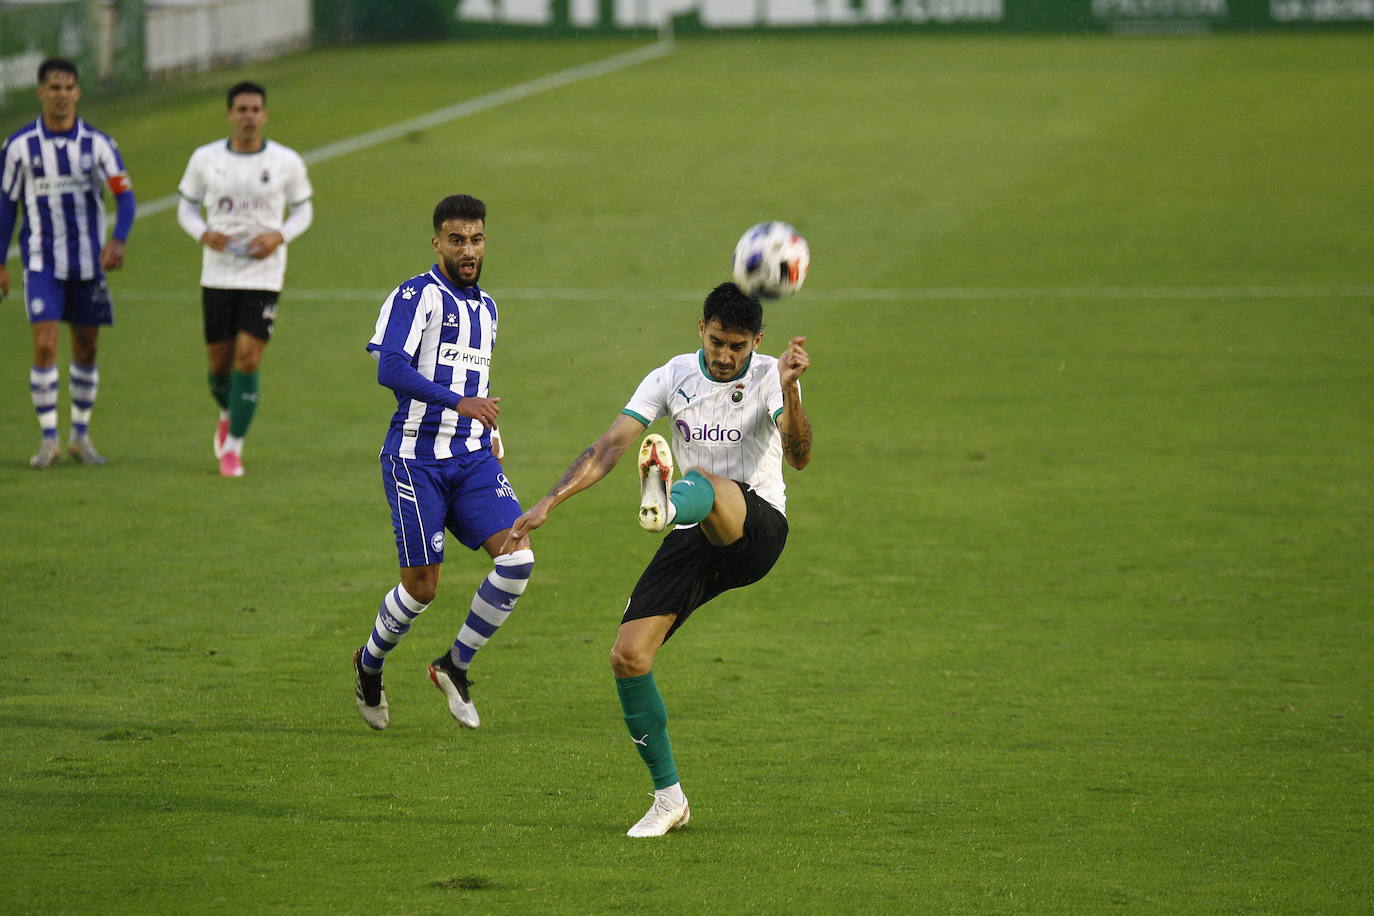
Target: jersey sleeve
11	171
403	319
298	189
772	393
110	165
192	186
650	400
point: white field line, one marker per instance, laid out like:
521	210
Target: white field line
514	93
925	294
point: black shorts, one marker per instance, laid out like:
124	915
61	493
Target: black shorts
689	570
228	311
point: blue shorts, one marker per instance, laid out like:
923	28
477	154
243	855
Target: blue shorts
469	495
80	302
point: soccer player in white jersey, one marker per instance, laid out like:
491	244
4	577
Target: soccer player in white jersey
246	185
735	415
440	461
54	169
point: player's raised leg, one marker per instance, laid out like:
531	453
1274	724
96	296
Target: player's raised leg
699	497
646	717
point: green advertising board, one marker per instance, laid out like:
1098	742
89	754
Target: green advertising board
104	40
388	19
31	32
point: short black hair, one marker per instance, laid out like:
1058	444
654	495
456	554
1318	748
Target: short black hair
58	65
734	309
246	87
458	206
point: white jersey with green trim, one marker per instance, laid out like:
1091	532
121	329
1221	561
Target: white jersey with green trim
726	428
244	195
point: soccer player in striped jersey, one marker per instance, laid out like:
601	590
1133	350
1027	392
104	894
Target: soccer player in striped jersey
246	185
441	459
735	415
56	169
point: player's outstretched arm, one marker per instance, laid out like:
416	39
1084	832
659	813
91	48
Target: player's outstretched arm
595	462
793	425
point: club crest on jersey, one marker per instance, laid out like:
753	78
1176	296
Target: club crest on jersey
266	176
437	542
738	394
86	162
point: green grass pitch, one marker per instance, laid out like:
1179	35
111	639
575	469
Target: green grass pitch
1076	613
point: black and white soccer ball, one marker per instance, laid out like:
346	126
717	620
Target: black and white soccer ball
771	261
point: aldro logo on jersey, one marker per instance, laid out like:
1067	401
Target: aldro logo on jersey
715	435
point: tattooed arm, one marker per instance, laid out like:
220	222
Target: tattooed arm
594	463
793	425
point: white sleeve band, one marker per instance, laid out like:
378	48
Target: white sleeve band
302	214
188	214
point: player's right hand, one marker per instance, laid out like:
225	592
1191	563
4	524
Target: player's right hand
216	240
483	410
534	518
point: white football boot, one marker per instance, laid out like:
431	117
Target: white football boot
665	815
454	685
370	694
84	452
48	454
656	510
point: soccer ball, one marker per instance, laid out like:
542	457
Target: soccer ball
771	261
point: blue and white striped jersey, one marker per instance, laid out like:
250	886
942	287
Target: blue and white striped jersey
446	334
56	179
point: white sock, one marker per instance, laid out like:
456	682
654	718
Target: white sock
672	794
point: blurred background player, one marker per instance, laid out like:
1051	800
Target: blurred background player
433	343
54	169
246	185
735	414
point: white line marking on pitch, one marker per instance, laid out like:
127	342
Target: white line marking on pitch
930	294
482	103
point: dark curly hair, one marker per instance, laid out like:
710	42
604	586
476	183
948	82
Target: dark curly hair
736	311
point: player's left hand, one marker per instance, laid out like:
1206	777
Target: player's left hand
112	255
793	361
260	246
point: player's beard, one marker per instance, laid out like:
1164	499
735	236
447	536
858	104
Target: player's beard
453	268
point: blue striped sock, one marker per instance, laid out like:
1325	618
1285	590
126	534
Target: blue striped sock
492	604
43	392
394	617
83	384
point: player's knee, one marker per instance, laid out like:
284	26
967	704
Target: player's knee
629	661
420	588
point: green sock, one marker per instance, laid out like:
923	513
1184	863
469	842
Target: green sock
647	719
243	400
692	496
219	389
